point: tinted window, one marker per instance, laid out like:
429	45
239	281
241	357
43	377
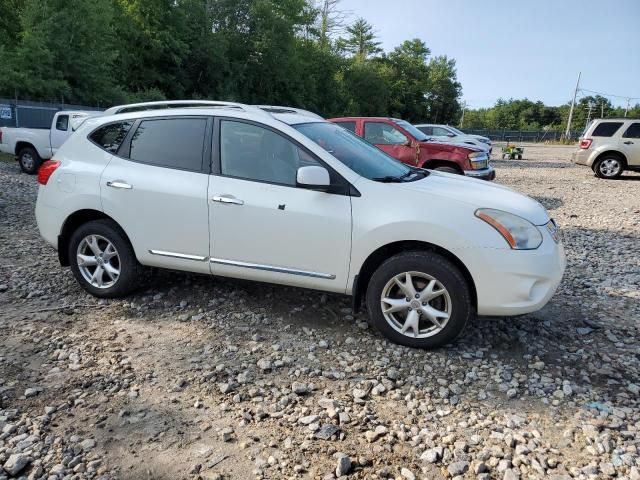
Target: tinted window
380	133
426	130
606	129
173	143
440	132
360	156
348	125
62	123
111	136
633	131
256	153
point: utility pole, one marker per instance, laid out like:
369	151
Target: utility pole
464	107
626	110
602	109
567	132
589	113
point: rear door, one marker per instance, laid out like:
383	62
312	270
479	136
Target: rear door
390	139
155	187
631	144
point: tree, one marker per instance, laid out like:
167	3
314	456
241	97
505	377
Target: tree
330	21
361	42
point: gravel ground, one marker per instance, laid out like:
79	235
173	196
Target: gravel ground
198	377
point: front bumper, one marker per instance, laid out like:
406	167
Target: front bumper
485	174
514	282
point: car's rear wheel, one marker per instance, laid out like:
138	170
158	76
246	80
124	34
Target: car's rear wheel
29	160
609	167
419	299
102	259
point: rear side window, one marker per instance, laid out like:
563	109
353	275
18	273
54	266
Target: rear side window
633	131
351	126
111	136
426	130
606	129
173	143
62	123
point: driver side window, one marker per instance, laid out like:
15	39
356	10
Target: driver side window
380	133
255	153
441	132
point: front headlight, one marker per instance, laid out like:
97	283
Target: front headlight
519	233
479	160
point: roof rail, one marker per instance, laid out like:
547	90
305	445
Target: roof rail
160	105
275	109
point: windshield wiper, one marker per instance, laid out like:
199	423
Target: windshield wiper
392	178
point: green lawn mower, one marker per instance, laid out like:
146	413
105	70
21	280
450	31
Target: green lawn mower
511	152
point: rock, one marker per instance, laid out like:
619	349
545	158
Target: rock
16	463
633	388
430	456
264	364
31	392
510	474
344	465
308	419
393	374
408	474
227	434
299	388
326	431
458	468
88	444
328	403
608	469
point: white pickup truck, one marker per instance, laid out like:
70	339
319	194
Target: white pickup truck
32	146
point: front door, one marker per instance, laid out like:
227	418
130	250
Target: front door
391	140
264	227
631	144
156	189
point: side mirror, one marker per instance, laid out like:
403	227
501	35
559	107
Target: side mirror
313	178
407	143
451	135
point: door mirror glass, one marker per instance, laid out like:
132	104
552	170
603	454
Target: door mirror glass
313	178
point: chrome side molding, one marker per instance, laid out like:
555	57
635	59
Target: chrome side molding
182	256
271	268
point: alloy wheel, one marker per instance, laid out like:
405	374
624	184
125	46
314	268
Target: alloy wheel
27	161
416	304
610	167
98	261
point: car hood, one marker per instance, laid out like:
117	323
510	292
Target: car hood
479	194
453	144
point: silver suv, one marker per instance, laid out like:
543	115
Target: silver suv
610	146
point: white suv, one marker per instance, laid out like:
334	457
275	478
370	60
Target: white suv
610	146
280	195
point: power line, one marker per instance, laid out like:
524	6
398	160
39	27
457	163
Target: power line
609	94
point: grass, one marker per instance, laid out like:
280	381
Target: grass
6	158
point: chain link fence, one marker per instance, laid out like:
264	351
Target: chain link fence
504	135
28	114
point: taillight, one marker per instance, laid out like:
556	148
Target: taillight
46	170
585	143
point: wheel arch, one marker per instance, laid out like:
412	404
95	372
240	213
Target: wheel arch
72	223
377	257
20	144
613	153
431	164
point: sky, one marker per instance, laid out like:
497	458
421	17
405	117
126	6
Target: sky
520	48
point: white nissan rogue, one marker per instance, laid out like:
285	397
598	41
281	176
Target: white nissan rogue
280	195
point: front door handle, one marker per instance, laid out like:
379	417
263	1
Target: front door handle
628	142
119	184
228	199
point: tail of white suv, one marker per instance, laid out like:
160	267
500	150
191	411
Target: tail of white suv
282	196
610	146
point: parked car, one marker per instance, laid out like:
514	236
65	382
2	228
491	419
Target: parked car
33	145
292	199
610	146
406	143
447	133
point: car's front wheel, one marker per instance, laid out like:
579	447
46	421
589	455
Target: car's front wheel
609	167
102	259
419	299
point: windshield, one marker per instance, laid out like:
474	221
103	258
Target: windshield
417	134
456	130
357	154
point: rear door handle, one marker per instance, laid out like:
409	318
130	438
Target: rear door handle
628	142
119	184
228	199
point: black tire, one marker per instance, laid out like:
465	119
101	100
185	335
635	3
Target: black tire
603	167
447	170
130	270
519	157
29	160
440	269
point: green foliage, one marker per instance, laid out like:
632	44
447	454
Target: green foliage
255	51
527	115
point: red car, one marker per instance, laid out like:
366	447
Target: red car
406	143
